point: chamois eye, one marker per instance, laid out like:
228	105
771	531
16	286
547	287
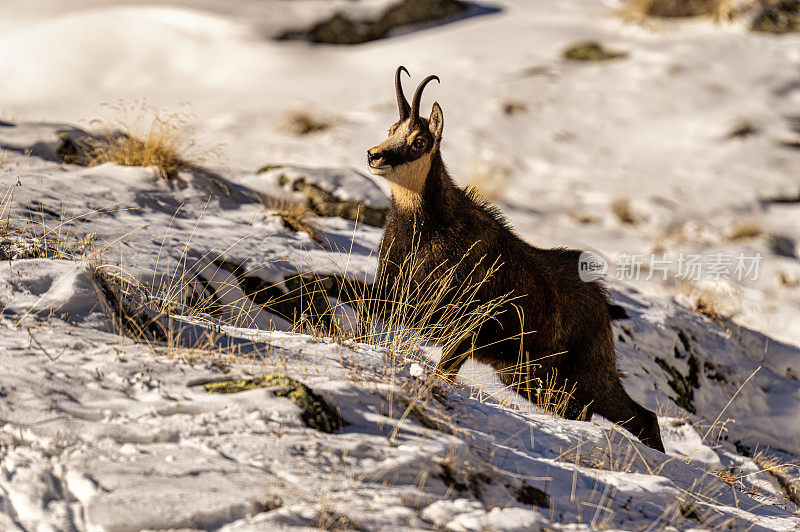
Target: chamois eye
419	143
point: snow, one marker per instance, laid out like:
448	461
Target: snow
99	431
87	425
48	287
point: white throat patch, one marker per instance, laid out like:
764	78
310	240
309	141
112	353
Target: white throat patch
407	180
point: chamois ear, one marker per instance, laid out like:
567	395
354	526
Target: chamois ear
436	121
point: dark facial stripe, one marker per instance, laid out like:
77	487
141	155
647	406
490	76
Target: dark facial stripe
406	154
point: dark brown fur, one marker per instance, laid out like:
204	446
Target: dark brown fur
562	314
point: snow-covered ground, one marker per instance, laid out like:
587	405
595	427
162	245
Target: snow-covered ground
101	432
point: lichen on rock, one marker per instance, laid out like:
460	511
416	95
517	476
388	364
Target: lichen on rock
342	28
778	17
317	413
591	51
334	192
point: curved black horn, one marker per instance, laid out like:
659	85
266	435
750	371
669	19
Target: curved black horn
418	96
402	103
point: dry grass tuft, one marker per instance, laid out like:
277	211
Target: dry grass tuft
730	475
591	51
552	398
603	459
430	414
621	207
619	453
583	218
295	215
706	306
717	305
696	504
32	237
744	231
176	316
742	128
721	9
514	107
330	519
789	282
718	302
300	122
777	16
143	136
787	475
439	311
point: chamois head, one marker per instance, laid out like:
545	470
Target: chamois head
404	158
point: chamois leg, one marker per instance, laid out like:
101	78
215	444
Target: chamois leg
618	407
606	396
453	358
580	405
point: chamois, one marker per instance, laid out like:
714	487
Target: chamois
561	322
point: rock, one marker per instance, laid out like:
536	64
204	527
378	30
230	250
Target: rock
681	8
342	29
301	300
304	123
742	128
783	245
318	413
51	142
683	385
336	192
778	17
591	51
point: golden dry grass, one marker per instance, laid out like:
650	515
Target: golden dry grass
621	207
295	215
591	52
717	305
329	518
402	323
618	453
143	136
301	122
719	9
553	398
548	395
744	231
581	217
788	281
706	305
730	475
514	107
438	310
787	475
777	17
30	237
